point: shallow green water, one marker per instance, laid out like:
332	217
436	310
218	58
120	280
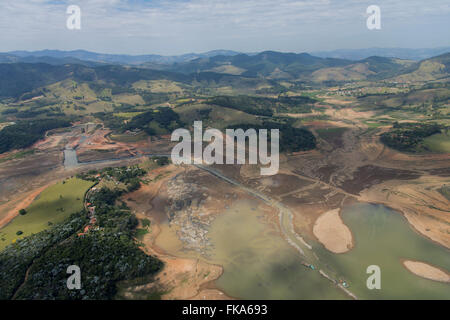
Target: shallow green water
259	264
384	238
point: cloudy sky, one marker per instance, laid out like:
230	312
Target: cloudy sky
181	26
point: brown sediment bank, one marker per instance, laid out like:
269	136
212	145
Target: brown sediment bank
426	271
425	209
331	231
181	277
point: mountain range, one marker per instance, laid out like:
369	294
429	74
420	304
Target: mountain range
92	58
26	73
89	56
400	53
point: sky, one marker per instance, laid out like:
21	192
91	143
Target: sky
183	26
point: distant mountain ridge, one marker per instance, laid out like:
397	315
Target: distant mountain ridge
400	53
89	57
270	64
17	78
117	58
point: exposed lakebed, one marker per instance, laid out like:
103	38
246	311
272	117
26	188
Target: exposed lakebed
259	264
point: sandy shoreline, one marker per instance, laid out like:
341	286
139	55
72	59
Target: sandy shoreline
331	231
426	271
181	278
418	201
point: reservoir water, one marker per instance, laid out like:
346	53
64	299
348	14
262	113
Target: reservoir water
259	264
383	237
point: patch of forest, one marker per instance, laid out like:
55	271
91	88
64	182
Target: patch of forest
161	120
24	133
264	106
106	254
291	139
158	121
409	136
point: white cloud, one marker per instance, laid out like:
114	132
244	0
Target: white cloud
140	26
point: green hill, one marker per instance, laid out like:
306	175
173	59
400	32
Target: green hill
426	70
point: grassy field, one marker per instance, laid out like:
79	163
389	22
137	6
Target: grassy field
51	206
127	115
438	142
133	99
77	98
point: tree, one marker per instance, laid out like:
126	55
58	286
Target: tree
162	161
22	212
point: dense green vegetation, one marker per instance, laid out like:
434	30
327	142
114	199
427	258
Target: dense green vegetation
158	121
17	258
24	133
291	139
161	120
264	64
409	136
161	161
129	176
296	104
106	254
264	106
110	121
105	258
19	78
251	105
154	98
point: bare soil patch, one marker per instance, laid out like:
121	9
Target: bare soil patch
331	231
426	271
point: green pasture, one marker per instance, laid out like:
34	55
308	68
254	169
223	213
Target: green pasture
52	206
